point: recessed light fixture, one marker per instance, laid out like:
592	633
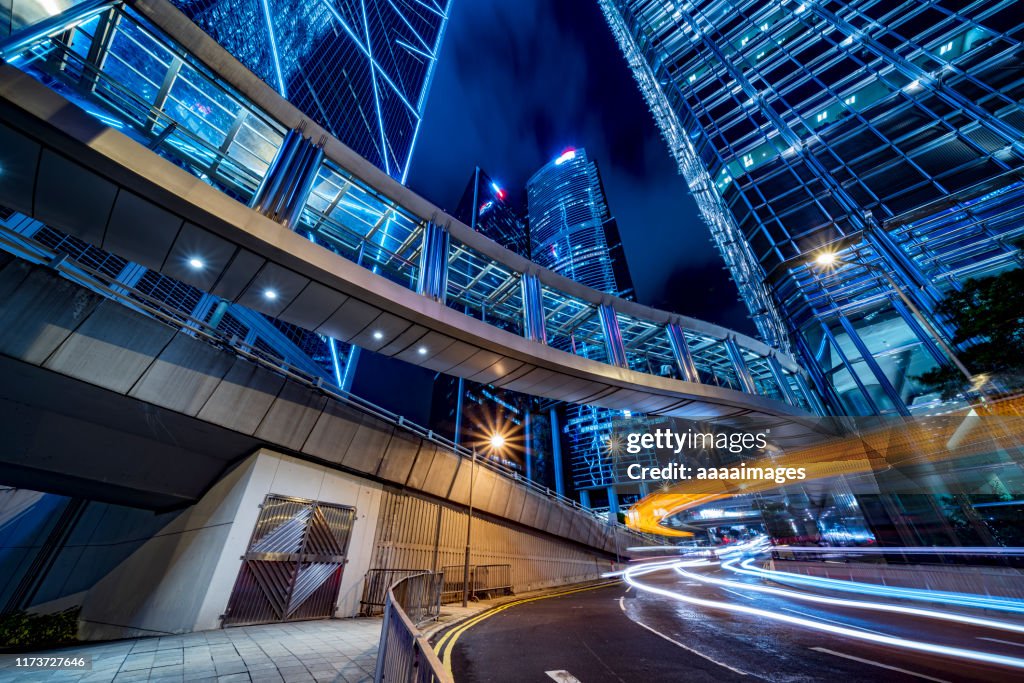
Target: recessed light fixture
270	294
378	335
423	350
196	263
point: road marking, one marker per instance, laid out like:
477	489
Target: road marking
622	606
445	646
832	621
1004	642
563	676
735	593
629	588
879	664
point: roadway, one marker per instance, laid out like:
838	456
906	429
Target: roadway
624	633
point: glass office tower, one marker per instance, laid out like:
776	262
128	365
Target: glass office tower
361	70
485	206
573	233
885	133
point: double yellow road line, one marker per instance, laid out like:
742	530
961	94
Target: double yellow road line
446	645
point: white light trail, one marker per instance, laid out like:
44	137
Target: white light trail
964	550
892	641
943	597
857	604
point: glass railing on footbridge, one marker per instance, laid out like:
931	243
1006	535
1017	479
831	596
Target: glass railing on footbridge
134	76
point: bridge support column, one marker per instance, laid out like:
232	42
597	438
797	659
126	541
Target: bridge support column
613	505
779	375
585	499
865	353
433	270
612	336
533	309
286	186
556	453
681	352
740	365
812	398
181	579
528	452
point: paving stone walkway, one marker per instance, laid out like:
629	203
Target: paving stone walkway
336	650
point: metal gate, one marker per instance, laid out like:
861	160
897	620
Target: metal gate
293	567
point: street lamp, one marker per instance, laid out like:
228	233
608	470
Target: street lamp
497	442
469	532
829	259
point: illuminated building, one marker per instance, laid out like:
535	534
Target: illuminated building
573	233
362	71
888	133
485	206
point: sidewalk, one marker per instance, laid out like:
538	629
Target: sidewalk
337	650
334	650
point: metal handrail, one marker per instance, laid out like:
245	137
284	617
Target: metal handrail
107	286
405	654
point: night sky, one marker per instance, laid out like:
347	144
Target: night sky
516	83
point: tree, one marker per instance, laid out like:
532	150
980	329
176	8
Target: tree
988	316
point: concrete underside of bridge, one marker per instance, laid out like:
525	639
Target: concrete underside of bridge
67	170
102	402
105	402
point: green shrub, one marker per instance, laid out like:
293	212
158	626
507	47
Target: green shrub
22	629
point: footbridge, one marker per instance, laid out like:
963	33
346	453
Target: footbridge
199	171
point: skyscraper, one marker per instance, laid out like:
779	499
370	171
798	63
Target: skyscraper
573	233
885	135
485	206
360	69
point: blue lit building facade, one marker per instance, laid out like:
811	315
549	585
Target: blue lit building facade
361	70
885	133
485	206
573	233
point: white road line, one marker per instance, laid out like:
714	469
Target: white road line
832	621
563	676
1004	642
729	590
879	664
622	606
629	588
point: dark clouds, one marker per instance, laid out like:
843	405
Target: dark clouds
517	83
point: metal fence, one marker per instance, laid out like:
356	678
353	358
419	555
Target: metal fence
454	580
376	585
484	579
492	579
404	653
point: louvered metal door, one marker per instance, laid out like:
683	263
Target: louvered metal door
293	567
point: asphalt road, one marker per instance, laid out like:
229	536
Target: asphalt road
624	635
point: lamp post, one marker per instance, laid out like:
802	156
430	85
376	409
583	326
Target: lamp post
496	442
829	259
